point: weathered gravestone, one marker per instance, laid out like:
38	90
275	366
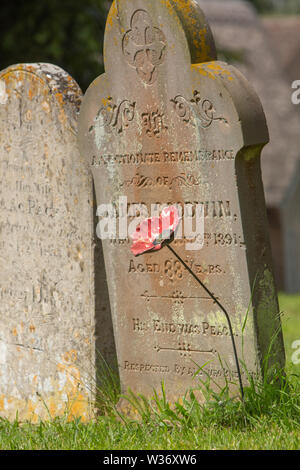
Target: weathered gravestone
167	123
47	275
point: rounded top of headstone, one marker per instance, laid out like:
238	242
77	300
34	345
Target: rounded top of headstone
150	30
62	88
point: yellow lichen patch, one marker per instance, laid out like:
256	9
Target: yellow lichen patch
62	116
31	93
9	89
65	397
10	407
219	69
46	107
168	5
105	102
185	6
29	68
59	98
200	43
193	22
45	408
113	12
202	71
78	408
77	399
213	70
61	394
70	356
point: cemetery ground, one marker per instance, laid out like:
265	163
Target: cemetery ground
268	419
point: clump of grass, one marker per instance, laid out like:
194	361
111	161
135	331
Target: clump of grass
107	386
278	398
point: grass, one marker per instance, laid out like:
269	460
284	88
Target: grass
290	306
269	418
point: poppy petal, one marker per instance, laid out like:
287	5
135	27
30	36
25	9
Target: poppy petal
151	232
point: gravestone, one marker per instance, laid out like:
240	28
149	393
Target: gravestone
169	124
47	276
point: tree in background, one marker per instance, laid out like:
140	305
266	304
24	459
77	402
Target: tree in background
263	5
276	6
68	33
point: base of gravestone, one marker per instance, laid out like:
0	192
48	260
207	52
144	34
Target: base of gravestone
137	407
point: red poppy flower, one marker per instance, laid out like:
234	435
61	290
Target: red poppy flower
152	232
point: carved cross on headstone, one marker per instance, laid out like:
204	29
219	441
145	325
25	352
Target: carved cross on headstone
144	46
189	130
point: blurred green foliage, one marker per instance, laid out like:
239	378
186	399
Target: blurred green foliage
67	33
277	6
263	5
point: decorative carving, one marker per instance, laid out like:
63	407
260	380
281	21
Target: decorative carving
144	46
186	180
185	349
142	181
196	111
177	297
114	117
154	123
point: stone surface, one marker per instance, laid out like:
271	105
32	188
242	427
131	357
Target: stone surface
167	123
47	291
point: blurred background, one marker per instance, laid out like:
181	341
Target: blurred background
70	33
260	37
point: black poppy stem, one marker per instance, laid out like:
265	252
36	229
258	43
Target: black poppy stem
223	310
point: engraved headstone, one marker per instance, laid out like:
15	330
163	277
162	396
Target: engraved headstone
47	321
167	123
